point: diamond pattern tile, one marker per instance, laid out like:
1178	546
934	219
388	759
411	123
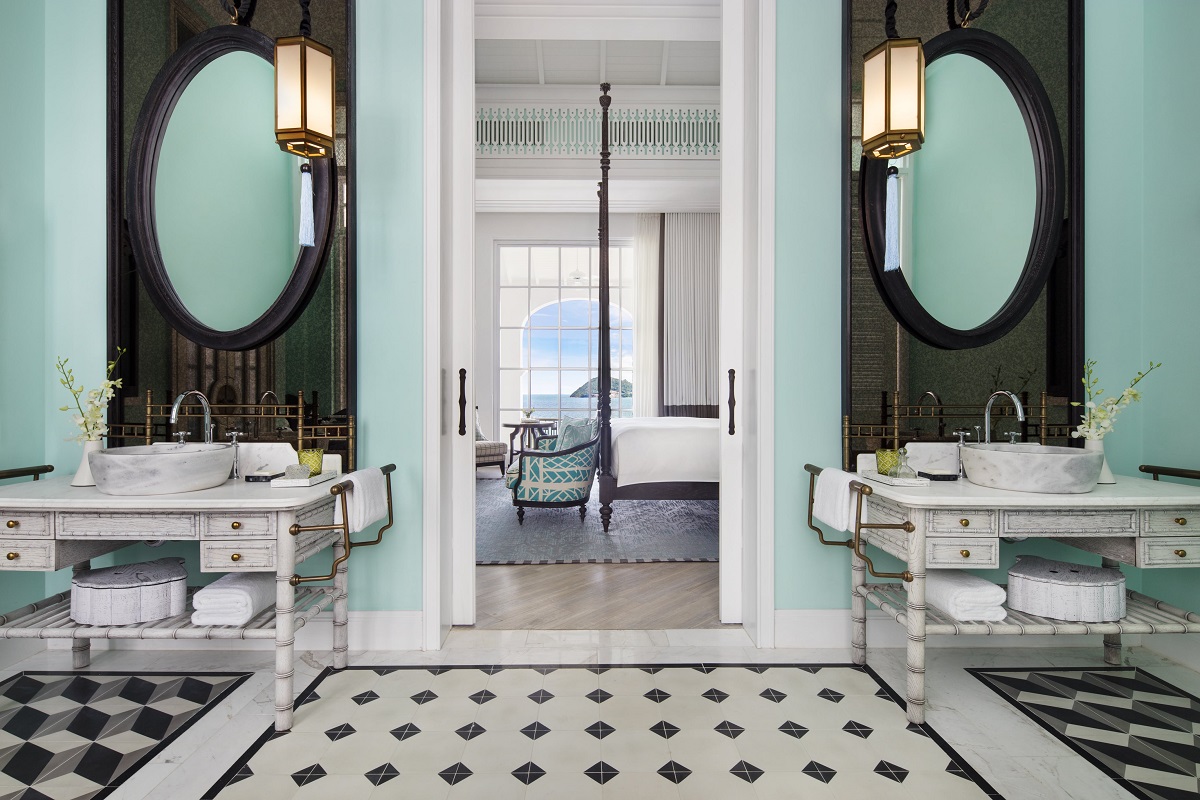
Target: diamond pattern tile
710	729
96	730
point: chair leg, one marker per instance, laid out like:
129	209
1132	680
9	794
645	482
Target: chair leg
582	512
501	467
520	515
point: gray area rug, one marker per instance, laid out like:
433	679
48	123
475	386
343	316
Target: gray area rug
641	531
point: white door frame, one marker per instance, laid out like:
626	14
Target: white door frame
449	218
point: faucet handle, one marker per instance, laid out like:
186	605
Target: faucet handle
233	436
182	436
962	434
978	432
1012	436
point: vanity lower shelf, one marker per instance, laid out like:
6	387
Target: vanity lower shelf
51	619
1144	615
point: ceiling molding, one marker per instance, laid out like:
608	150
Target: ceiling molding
579	195
686	20
586	96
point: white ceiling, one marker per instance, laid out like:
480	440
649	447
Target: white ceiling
551	62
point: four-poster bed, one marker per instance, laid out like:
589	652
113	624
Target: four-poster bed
680	453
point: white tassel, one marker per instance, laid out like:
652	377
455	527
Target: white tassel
891	256
307	233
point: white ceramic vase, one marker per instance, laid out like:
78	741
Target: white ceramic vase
1106	475
83	475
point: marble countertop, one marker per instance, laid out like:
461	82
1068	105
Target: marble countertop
1127	492
57	494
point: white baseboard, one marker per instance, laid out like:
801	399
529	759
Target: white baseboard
830	628
1183	648
14	650
369	630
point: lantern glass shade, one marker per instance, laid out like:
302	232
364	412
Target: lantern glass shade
304	97
893	116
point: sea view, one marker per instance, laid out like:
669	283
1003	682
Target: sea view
548	405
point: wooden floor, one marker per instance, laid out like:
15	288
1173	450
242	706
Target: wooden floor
596	596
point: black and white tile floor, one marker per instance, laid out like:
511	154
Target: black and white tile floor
719	731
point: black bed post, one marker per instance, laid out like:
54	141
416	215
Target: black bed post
604	385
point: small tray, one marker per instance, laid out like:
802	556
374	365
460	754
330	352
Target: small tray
872	475
291	483
938	475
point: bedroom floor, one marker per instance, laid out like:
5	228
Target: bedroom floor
1020	759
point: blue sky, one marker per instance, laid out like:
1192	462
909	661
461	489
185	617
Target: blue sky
544	340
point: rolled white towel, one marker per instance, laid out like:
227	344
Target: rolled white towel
366	501
965	596
834	503
233	599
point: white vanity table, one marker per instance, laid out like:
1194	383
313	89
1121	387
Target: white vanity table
240	527
959	525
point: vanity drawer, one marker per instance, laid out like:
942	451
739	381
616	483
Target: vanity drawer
965	553
256	555
1066	523
1171	522
962	523
22	524
127	526
23	554
235	526
1174	551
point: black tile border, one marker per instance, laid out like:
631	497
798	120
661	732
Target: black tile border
239	679
541	562
706	666
1123	782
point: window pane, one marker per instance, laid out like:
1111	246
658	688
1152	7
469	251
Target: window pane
543	263
512	347
627	349
514	266
575	348
575	266
614	266
544	304
514	386
543	348
572	382
574	308
594	256
544	398
628	267
514	307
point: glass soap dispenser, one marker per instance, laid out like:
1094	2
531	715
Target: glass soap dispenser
902	469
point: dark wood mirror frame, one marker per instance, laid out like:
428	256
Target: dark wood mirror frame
1016	73
1064	285
122	324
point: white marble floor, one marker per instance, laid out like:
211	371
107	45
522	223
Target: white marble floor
1019	758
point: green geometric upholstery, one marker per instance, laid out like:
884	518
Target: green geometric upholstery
553	479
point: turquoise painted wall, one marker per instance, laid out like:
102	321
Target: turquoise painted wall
808	295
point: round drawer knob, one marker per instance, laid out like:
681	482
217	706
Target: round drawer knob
965	553
12	523
1181	520
13	556
966	523
236	557
1180	553
235	525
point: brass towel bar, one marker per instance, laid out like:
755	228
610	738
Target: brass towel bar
855	544
340	491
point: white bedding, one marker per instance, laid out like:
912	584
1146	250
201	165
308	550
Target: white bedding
666	449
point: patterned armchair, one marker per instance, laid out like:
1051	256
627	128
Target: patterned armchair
553	478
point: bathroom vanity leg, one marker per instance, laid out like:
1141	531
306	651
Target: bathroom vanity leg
858	610
285	629
1112	641
341	614
81	649
916	629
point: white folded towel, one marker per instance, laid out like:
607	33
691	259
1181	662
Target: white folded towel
965	596
366	501
833	501
233	599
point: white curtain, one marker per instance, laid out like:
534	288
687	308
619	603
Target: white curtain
646	366
691	261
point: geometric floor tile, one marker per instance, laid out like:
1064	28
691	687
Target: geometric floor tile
81	734
480	729
1142	732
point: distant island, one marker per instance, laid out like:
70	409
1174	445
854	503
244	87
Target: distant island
589	389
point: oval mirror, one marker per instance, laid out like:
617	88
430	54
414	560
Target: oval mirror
213	201
979	205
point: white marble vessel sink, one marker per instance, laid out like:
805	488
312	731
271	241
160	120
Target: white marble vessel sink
1032	467
163	468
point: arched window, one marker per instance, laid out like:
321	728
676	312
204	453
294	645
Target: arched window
549	330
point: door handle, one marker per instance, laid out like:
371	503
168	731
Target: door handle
462	402
732	402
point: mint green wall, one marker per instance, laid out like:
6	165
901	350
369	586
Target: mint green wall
808	295
390	229
964	269
228	226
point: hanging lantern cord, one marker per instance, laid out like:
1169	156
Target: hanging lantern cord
889	19
305	19
957	10
240	12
